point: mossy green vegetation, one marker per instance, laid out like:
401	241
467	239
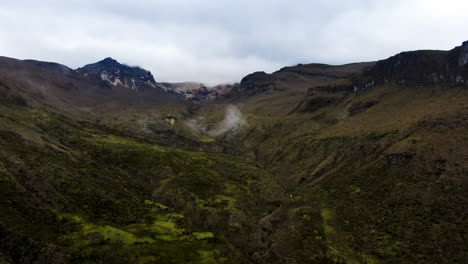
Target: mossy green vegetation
155	240
91	194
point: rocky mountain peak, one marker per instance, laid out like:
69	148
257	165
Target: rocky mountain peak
119	75
109	60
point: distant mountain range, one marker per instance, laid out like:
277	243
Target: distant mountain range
425	66
111	73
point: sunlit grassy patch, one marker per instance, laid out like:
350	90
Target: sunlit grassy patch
206	139
327	216
219	202
164	238
123	142
203	235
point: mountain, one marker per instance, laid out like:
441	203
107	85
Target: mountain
314	163
417	67
117	74
89	87
302	74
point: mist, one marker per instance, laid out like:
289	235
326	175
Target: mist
233	120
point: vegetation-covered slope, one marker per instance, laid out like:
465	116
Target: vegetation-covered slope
76	192
377	176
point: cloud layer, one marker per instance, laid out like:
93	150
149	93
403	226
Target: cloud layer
222	41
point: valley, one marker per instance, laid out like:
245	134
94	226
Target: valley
357	163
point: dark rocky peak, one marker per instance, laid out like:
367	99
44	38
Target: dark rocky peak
119	75
109	62
463	54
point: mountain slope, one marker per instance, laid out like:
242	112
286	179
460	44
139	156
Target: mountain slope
78	192
374	187
376	174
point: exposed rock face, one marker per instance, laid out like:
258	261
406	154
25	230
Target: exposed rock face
397	159
463	57
116	74
407	67
202	93
328	88
418	67
198	92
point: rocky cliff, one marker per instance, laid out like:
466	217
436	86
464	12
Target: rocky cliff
117	74
418	67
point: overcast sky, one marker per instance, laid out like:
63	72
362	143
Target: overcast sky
216	41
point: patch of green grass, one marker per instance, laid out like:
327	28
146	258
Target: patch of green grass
217	203
210	257
327	216
165	233
355	189
206	139
203	235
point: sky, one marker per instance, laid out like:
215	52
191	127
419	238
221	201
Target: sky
220	41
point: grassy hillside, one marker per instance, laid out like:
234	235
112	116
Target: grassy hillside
76	192
377	176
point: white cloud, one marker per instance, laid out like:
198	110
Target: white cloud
222	41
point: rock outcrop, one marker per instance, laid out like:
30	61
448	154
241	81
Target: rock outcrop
198	92
117	74
418	67
463	57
